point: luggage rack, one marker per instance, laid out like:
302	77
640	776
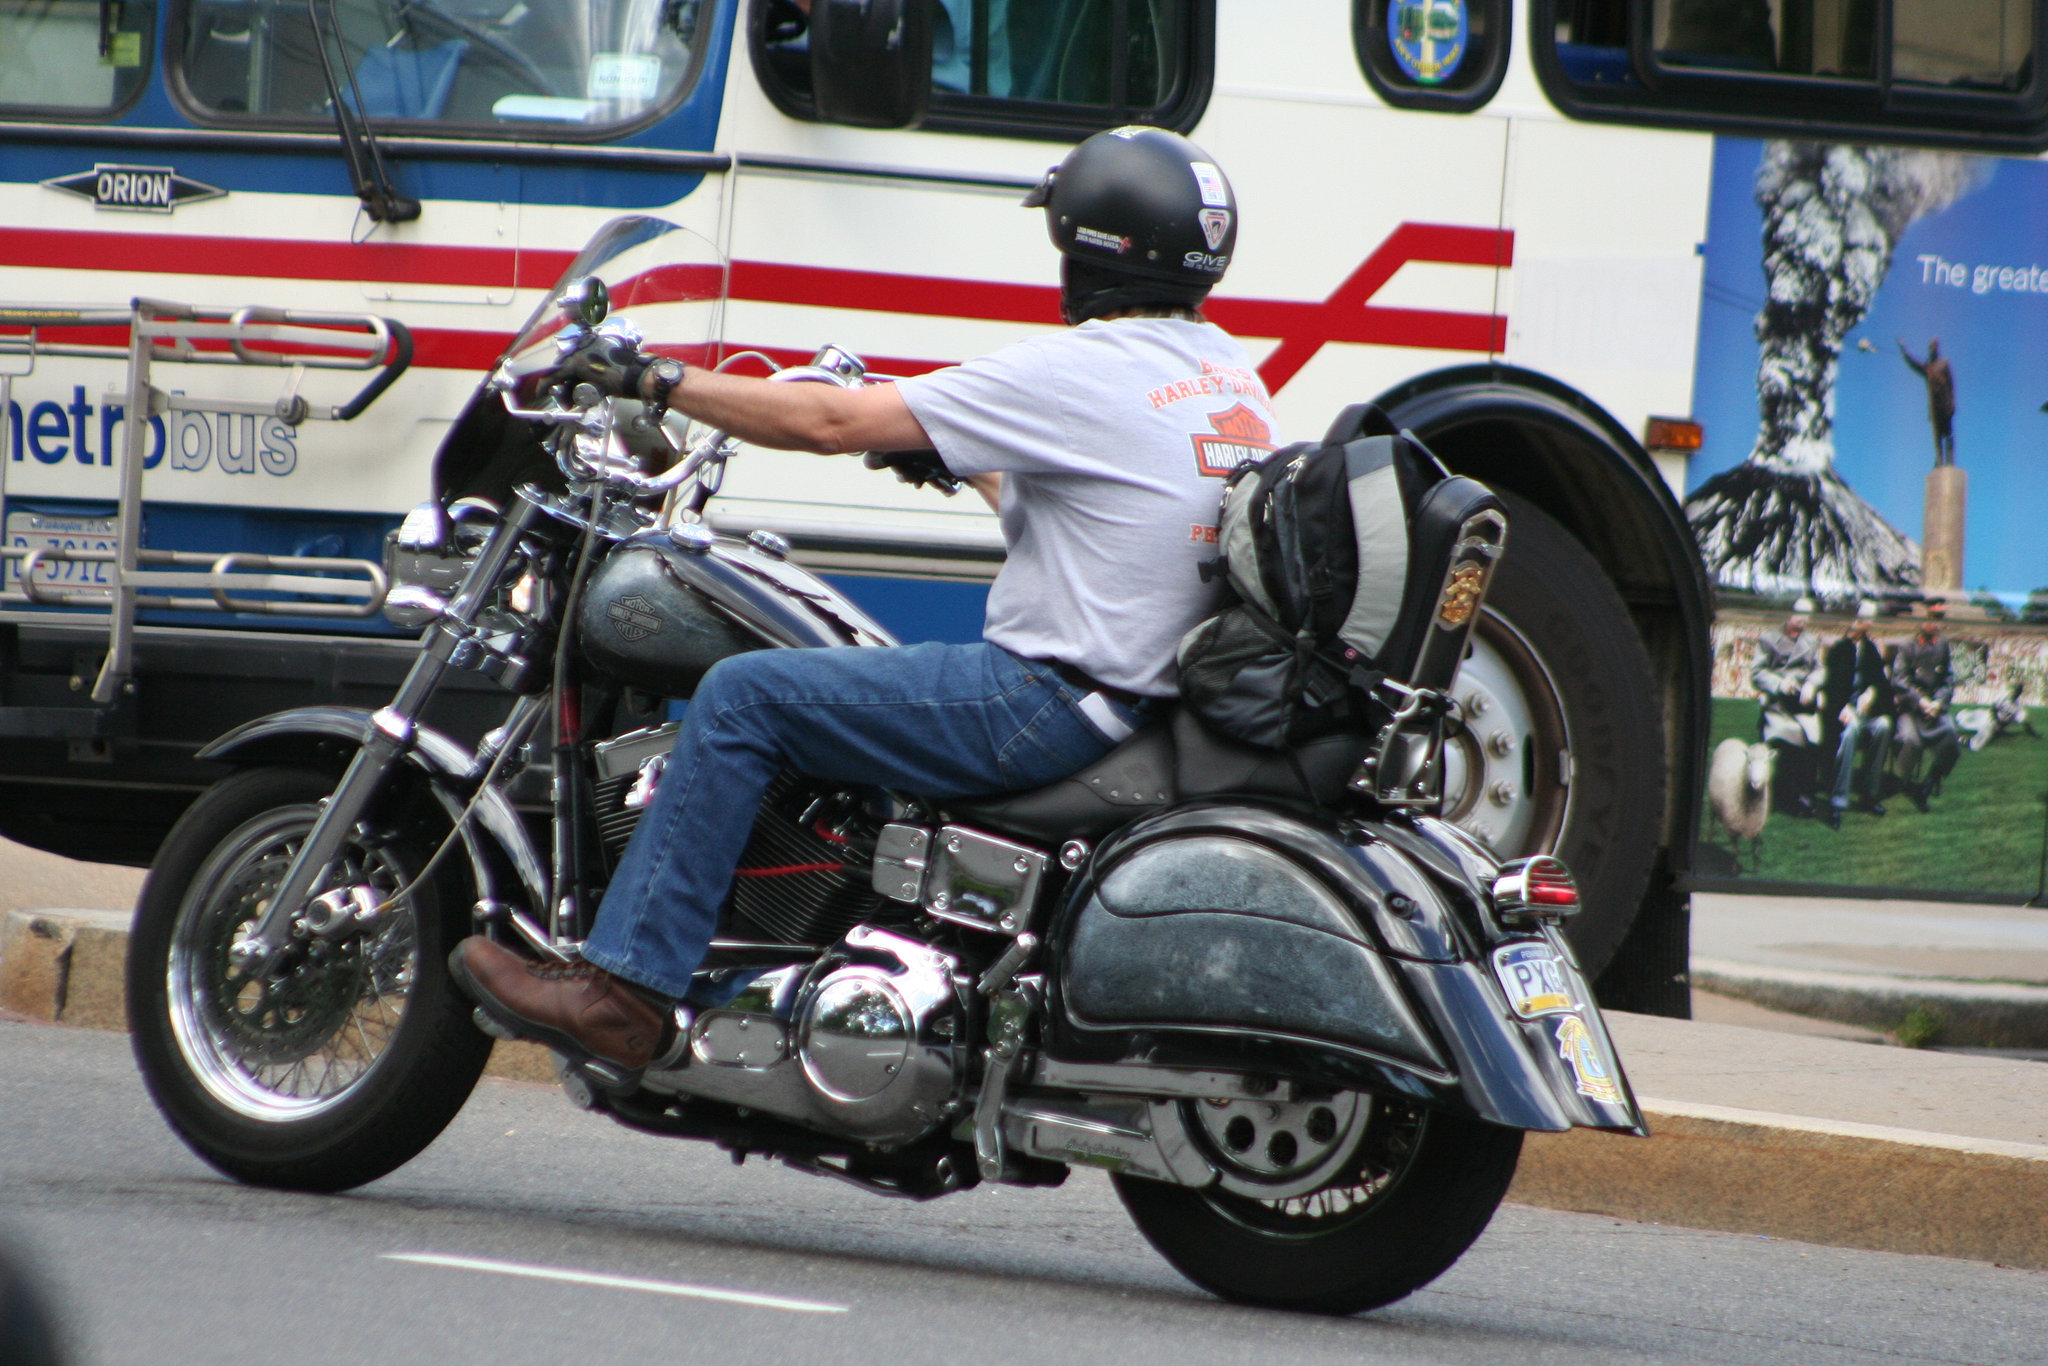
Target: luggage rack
192	580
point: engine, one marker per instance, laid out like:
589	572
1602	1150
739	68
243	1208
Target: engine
870	1041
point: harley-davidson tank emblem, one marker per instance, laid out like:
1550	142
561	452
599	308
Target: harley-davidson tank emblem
634	617
1461	595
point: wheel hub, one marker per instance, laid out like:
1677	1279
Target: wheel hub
1274	1149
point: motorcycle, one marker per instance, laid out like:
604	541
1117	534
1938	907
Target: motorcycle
1300	1020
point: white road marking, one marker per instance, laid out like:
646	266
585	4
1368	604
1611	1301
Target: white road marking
549	1273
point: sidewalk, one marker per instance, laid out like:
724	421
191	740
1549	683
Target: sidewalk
1932	974
1754	1130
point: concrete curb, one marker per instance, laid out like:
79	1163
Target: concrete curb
70	967
1705	1166
1961	1014
1816	1181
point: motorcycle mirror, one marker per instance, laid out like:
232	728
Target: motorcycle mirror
871	61
586	300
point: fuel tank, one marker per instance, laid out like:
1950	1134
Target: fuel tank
663	608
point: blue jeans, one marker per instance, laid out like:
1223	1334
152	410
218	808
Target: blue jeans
933	720
1870	734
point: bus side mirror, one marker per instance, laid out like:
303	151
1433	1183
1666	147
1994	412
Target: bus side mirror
871	61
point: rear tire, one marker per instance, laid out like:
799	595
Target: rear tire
1576	658
350	1068
1418	1192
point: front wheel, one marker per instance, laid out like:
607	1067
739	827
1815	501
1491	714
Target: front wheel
338	1074
1336	1205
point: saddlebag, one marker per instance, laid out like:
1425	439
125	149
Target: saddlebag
1224	935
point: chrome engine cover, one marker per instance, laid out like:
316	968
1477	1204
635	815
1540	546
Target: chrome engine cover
869	1042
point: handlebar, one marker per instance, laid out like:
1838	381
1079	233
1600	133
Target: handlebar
594	423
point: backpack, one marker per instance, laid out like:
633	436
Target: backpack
1332	551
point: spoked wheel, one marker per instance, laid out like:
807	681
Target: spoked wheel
346	1068
1336	1204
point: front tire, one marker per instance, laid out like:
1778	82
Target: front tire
1417	1191
348	1068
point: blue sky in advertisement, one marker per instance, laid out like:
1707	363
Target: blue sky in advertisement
1995	333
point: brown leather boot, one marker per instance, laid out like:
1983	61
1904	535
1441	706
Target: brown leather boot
575	1007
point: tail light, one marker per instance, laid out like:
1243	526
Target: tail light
1539	888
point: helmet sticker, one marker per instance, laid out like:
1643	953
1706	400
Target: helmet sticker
1203	261
1215	222
1095	237
1215	189
1129	131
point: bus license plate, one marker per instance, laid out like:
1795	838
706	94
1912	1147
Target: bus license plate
42	530
1534	980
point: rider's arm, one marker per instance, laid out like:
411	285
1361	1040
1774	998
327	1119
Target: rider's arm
822	418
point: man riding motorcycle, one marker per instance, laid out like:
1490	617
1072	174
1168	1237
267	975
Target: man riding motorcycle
1104	448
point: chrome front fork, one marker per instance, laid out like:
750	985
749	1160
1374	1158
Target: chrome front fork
281	929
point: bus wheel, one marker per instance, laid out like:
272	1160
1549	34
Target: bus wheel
1564	745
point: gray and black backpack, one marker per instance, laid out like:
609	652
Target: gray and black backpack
1351	563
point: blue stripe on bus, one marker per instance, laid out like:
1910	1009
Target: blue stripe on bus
917	610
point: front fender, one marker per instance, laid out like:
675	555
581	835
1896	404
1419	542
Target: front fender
328	736
1244	937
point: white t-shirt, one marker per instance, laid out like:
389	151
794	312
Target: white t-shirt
1113	439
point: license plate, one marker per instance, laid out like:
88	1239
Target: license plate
1534	980
41	530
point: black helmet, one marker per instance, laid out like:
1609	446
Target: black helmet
1142	216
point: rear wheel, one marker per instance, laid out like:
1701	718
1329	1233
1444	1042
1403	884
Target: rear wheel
339	1073
1337	1204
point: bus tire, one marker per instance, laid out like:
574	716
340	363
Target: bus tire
1581	660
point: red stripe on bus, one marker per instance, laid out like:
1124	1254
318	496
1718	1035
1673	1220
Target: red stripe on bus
1303	327
284	258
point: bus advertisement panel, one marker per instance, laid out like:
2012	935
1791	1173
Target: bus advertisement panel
1870	385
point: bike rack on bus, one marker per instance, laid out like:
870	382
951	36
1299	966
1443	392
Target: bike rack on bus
185	334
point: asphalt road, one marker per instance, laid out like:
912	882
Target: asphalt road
155	1259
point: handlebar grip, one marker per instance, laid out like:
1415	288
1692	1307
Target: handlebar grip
916	468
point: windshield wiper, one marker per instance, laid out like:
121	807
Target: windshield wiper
366	169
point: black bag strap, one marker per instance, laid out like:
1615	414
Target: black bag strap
1358	421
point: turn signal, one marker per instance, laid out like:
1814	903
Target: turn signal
1673	434
1538	888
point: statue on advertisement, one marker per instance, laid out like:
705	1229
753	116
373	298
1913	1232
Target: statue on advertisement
1940	377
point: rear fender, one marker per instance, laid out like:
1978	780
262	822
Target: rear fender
1235	937
327	737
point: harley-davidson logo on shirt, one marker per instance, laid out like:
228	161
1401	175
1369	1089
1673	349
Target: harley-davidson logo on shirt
1241	435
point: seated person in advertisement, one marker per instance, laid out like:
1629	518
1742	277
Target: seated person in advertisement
1924	679
1095	435
1787	677
1856	710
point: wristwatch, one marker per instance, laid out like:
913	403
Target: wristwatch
659	380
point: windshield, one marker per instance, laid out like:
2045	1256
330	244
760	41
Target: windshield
663	278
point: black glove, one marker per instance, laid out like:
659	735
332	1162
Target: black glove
916	468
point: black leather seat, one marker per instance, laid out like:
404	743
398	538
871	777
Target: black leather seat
1172	760
1132	779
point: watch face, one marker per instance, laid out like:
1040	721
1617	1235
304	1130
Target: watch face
668	371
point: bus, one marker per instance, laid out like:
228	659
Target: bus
1638	264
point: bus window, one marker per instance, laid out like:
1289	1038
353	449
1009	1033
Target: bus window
1919	70
1052	68
507	66
77	58
1432	54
